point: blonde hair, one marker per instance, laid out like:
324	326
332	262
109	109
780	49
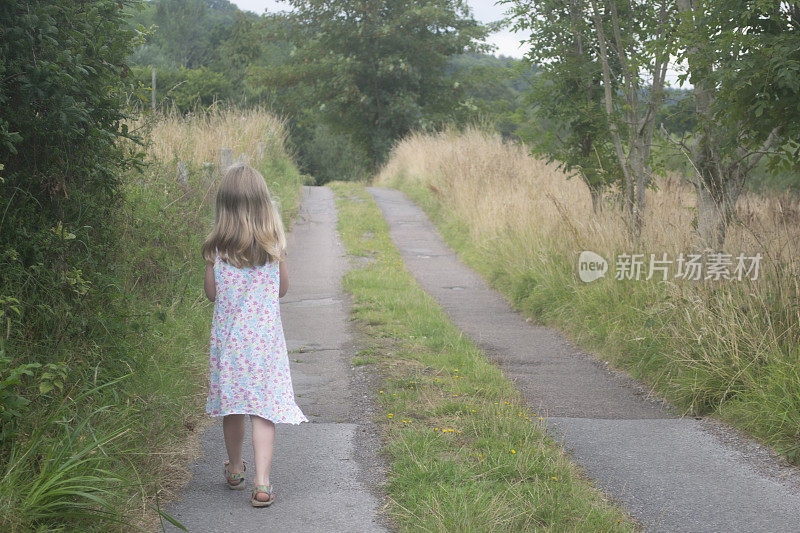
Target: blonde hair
247	229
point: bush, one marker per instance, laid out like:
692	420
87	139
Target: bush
62	66
331	156
183	88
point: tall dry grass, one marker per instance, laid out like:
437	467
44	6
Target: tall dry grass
197	137
256	134
497	186
729	347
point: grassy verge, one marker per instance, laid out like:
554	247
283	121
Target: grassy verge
717	348
721	347
106	442
698	348
465	452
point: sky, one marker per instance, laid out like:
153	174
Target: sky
483	10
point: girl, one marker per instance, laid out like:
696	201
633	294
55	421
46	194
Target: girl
249	365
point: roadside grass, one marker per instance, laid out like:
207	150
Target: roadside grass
465	452
727	348
113	446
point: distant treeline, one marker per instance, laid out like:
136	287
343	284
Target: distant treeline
206	51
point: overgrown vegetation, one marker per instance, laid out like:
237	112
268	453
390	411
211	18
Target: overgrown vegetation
466	453
202	52
105	433
61	165
713	346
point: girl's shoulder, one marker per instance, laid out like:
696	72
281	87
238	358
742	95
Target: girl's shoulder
218	262
270	267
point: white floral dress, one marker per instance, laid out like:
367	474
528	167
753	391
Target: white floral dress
249	365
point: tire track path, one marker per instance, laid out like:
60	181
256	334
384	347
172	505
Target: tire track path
321	472
671	473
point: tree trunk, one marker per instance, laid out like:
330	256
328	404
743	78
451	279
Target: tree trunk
640	119
642	182
596	192
716	185
711	217
628	198
627	193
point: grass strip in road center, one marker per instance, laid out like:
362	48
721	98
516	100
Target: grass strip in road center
465	453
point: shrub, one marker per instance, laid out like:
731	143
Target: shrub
333	156
182	88
62	67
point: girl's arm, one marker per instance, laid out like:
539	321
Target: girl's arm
210	283
284	280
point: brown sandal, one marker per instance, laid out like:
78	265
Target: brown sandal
235	480
262	489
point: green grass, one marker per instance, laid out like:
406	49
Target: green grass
103	453
465	452
728	350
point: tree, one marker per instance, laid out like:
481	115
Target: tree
490	90
374	68
566	96
238	46
602	84
633	87
183	30
744	62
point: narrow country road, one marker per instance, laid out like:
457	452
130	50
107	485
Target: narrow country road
324	477
671	473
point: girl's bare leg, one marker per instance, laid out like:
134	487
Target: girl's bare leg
233	428
263	441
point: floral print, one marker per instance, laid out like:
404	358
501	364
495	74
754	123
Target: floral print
249	364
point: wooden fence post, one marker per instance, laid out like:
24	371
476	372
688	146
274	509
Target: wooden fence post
183	173
225	159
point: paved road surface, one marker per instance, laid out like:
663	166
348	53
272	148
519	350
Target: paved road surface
672	474
318	467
